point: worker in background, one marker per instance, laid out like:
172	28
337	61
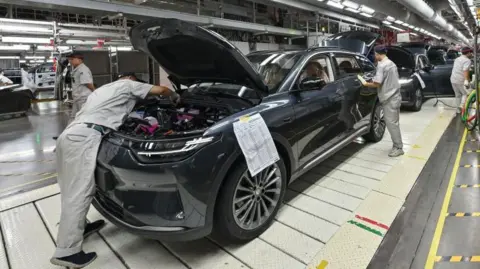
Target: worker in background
460	77
4	81
387	82
82	82
77	147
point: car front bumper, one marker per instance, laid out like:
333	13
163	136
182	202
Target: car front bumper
167	201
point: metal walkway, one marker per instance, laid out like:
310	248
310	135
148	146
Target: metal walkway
334	217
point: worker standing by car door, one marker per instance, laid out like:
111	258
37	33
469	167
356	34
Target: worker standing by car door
77	147
4	81
387	82
82	82
460	77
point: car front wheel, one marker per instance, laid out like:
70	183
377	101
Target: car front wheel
247	204
418	100
377	127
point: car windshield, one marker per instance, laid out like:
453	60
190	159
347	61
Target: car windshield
274	66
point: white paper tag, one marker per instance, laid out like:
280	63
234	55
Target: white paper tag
256	143
422	83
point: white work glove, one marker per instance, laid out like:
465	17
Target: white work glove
362	80
466	83
175	97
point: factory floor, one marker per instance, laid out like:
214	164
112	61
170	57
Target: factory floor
353	207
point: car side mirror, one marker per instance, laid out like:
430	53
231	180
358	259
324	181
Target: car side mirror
428	68
312	84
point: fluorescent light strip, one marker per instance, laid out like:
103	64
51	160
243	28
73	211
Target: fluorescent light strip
34	57
386	22
390	18
22	61
351	4
396	28
335	4
366	15
399	22
413	34
352	10
367	10
411	26
15	47
13	28
26	21
16	39
9	57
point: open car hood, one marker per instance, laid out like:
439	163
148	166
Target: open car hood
402	57
191	54
357	41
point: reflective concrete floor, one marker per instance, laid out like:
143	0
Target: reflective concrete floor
27	159
326	214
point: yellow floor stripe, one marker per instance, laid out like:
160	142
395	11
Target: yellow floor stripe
460	214
475	259
456	258
441	220
322	265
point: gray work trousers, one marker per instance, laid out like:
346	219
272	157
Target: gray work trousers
77	149
391	109
76	106
461	94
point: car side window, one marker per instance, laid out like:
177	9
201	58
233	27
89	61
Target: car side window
316	73
347	64
365	64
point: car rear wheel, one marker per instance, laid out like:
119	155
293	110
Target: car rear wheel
418	100
247	205
377	128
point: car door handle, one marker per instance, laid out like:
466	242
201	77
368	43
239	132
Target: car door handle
289	119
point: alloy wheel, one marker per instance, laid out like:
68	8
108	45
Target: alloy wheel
255	198
418	98
379	122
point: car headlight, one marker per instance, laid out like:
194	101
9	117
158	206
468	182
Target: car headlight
176	147
405	80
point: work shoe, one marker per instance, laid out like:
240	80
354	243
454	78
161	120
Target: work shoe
395	152
78	260
93	227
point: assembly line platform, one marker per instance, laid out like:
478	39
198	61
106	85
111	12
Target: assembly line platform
335	216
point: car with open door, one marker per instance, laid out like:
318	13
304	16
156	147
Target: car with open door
419	79
188	177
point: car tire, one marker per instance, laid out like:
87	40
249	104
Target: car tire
377	124
418	100
227	226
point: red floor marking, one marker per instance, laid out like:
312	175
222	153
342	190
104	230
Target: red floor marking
373	222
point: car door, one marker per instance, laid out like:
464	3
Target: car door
356	100
425	74
316	108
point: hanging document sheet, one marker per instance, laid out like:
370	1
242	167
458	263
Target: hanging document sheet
256	143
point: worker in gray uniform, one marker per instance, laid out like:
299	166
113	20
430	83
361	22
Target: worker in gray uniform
460	77
82	82
387	82
77	147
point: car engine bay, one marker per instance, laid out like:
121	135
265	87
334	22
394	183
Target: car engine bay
161	119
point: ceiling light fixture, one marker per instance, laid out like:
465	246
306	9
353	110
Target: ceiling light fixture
32	40
411	26
366	15
390	18
367	10
351	4
26	21
14	28
399	22
15	47
386	22
9	57
34	57
335	4
352	10
396	28
413	34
